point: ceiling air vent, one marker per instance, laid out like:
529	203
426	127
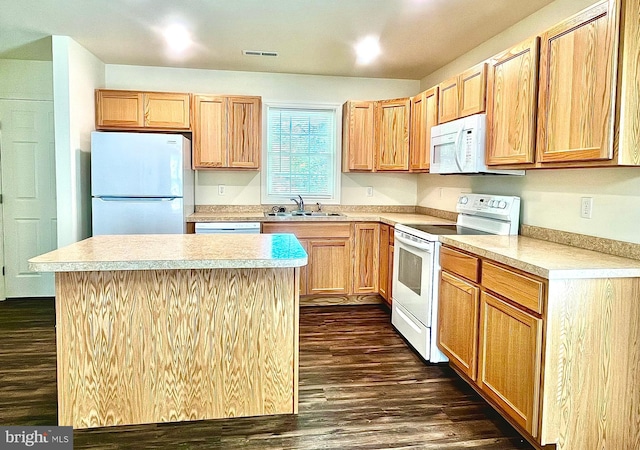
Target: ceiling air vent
258	53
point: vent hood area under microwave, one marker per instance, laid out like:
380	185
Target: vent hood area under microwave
458	147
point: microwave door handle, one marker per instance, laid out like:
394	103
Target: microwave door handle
457	149
418	245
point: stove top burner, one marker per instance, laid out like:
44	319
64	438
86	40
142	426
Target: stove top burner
440	230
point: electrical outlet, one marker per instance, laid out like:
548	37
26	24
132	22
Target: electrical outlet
221	189
369	191
586	207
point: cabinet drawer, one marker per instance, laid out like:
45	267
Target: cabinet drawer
460	263
310	230
522	289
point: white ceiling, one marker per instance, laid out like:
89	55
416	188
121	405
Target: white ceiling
312	36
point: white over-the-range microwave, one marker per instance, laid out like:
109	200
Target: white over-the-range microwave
458	147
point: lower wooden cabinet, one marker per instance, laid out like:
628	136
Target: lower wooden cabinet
366	249
328	246
329	266
510	360
383	271
458	322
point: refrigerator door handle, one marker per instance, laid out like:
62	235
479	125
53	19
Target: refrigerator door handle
136	199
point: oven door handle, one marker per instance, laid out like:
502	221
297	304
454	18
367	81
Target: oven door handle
418	245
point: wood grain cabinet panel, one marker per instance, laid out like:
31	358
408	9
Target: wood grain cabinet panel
473	90
245	131
525	290
209	131
392	134
512	99
463	95
366	249
449	100
466	266
329	266
227	132
358	136
167	110
424	115
133	110
577	84
511	360
383	271
119	109
458	322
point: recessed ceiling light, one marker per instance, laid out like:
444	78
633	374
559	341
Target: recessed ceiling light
177	37
368	49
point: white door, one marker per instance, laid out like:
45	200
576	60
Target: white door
28	192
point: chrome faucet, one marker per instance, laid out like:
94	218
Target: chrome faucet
300	203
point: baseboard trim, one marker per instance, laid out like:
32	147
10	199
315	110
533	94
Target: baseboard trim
334	300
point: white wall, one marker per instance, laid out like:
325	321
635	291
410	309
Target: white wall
26	80
76	74
550	198
243	188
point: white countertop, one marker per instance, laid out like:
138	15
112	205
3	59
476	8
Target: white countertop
174	251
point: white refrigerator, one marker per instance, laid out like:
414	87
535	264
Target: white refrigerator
141	183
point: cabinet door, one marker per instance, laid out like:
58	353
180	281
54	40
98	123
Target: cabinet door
244	119
424	115
329	266
392	134
458	312
577	76
390	270
366	241
383	271
209	132
448	101
119	109
472	87
166	110
358	136
510	360
512	99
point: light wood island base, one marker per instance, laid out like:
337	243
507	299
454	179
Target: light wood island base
165	328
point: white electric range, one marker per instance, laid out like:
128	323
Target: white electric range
416	264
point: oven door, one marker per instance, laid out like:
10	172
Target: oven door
413	267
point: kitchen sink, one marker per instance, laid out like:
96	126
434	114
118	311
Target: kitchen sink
303	214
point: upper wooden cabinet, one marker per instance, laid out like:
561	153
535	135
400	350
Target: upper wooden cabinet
392	134
358	136
577	86
512	98
226	132
132	110
424	115
375	136
463	95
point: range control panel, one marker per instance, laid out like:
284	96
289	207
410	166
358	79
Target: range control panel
501	207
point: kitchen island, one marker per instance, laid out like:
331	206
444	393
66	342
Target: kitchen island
164	328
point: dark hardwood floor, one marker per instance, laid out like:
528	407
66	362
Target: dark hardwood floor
360	387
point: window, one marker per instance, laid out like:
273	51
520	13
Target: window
301	154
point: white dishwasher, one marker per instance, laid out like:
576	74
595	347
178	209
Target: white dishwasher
227	227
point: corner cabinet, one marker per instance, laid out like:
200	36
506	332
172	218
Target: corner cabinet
463	95
577	86
358	136
392	135
424	115
226	132
133	110
512	100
